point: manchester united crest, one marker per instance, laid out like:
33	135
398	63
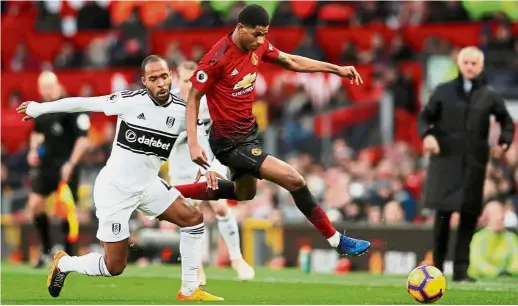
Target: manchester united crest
256	152
254	59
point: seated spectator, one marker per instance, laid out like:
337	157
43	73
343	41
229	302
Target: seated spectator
23	60
173	20
376	53
309	48
447	11
493	250
208	17
97	54
48	15
399	50
393	213
283	15
370	11
68	57
349	53
92	16
197	52
402	89
174	54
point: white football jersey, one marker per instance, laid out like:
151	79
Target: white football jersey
145	135
203	113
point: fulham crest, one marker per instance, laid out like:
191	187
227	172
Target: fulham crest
116	228
169	121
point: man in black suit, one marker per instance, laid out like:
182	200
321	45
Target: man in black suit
454	126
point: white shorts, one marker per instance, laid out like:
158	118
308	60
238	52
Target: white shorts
114	206
182	170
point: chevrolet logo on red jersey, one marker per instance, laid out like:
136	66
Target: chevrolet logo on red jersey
247	81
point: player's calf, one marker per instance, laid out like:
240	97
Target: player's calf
246	188
190	220
284	175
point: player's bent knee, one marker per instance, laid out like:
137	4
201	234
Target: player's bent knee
220	208
293	181
191	216
115	266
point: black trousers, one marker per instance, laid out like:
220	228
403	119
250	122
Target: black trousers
441	235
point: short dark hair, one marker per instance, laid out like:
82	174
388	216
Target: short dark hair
254	15
153	58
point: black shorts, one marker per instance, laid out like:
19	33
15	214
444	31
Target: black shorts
46	178
243	157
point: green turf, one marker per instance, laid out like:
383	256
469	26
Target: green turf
159	285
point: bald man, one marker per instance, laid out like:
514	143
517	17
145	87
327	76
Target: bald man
57	144
454	126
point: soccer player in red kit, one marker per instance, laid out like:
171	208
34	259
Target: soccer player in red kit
227	75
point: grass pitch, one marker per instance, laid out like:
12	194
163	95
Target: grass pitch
159	285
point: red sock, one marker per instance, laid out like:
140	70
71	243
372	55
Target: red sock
200	191
321	222
197	191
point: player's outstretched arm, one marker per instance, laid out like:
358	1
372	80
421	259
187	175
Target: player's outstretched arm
198	155
303	64
68	105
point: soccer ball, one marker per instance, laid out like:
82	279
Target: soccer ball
426	284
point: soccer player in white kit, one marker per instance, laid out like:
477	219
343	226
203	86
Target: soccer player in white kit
149	121
183	171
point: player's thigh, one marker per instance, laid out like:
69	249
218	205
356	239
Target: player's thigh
244	160
181	213
161	200
281	173
113	208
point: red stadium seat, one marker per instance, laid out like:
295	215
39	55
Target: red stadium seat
457	34
332	38
303	9
335	12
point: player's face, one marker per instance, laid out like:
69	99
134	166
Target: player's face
470	65
252	38
157	79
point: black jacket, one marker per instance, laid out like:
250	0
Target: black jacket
460	122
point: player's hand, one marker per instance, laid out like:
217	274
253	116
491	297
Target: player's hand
498	151
198	156
22	109
212	179
66	171
33	158
430	145
350	73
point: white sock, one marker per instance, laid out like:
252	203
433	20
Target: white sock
334	240
229	230
91	264
191	241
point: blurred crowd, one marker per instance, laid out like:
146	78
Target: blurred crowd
351	185
130	24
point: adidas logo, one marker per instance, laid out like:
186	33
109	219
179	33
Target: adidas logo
141	116
234	72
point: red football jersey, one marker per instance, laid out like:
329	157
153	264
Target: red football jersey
227	76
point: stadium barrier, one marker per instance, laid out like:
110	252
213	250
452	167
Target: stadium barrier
395	248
